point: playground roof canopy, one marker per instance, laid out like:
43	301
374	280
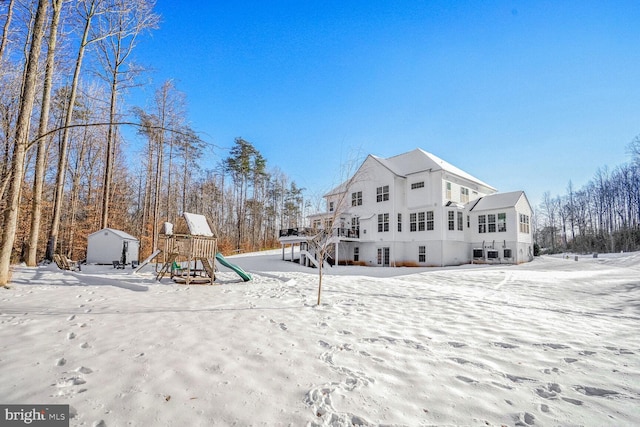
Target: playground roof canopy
198	225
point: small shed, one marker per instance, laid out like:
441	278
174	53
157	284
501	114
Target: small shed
108	245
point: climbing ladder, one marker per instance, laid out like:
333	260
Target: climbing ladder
209	267
166	267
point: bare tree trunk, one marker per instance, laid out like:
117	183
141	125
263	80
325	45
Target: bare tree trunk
38	182
110	153
158	191
75	190
21	142
62	159
5	29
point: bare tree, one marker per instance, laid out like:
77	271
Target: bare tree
38	182
21	141
88	10
337	204
5	29
128	19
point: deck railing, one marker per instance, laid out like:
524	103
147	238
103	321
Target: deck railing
310	232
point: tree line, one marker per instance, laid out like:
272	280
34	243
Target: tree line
66	167
602	216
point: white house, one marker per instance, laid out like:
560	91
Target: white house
416	209
107	245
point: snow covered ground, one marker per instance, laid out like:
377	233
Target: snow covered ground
551	342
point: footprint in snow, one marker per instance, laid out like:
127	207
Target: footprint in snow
455	344
525	419
595	391
550	391
505	345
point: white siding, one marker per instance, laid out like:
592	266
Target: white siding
105	246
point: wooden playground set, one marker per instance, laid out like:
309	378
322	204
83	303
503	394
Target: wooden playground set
189	251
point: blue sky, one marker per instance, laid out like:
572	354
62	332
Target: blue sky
524	95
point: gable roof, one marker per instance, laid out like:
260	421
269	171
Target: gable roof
419	160
412	162
497	201
119	233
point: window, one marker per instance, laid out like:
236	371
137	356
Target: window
478	253
482	223
383	222
468	221
422	254
492	254
356	198
356	254
502	222
417	185
460	216
452	220
491	220
464	195
399	222
355	226
430	220
330	206
448	194
382	193
317	223
421	221
524	223
507	253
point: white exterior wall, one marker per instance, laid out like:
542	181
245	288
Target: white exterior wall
519	243
420	198
443	246
525	240
105	246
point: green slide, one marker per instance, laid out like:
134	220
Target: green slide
245	276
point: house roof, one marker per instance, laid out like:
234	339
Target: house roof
118	233
497	201
412	162
419	160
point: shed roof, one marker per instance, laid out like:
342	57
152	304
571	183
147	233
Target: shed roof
497	201
119	233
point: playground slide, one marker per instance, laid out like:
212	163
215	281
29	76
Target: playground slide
245	276
146	261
